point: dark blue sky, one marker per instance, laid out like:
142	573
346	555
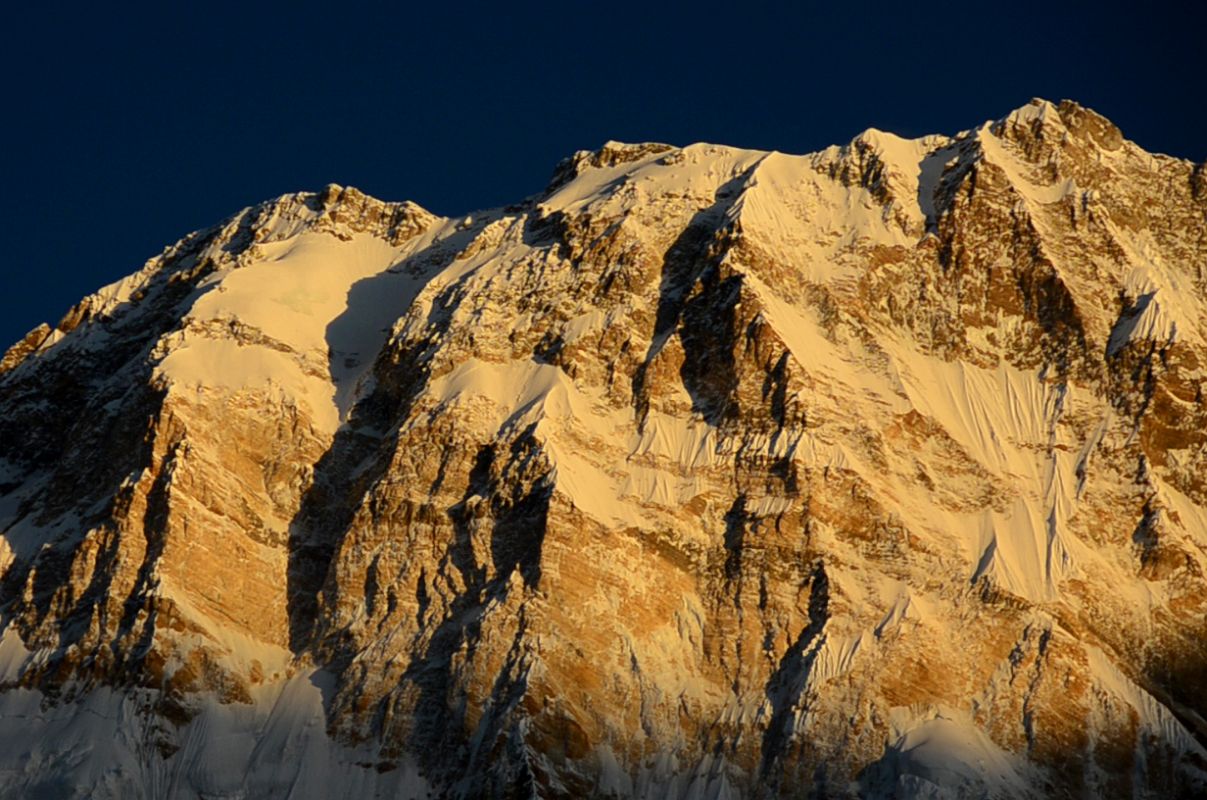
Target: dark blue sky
125	128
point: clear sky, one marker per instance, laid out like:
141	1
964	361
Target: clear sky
124	128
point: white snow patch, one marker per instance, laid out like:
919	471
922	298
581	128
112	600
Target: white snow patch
1165	304
835	657
104	746
499	398
225	364
1038	109
1005	418
940	753
13	655
687	441
802	335
239	650
1034	195
324	305
1153	715
803	218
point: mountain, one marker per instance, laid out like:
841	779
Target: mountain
704	473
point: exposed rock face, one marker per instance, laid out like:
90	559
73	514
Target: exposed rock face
874	472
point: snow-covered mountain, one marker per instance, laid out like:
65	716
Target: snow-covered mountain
705	473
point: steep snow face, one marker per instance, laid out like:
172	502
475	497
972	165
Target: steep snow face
312	311
705	472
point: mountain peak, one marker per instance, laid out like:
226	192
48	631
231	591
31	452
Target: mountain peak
611	154
1037	108
1043	120
707	472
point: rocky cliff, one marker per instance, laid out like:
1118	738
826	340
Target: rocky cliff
704	473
